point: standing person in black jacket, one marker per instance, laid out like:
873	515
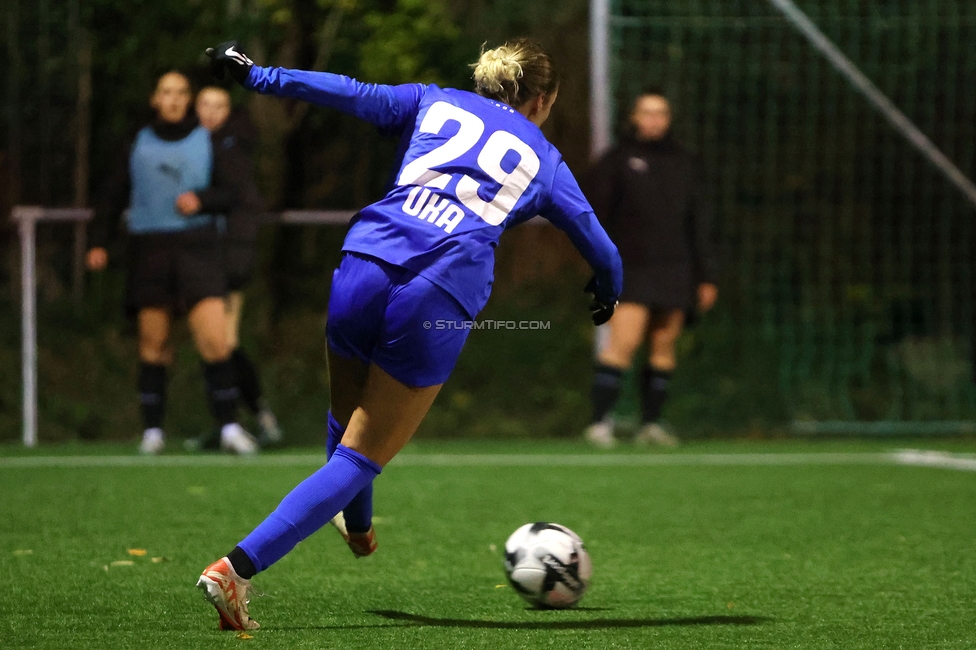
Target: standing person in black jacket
170	178
647	192
231	134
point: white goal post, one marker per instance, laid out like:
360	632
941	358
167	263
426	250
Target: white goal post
27	217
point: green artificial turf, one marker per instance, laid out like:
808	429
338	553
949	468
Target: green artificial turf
831	554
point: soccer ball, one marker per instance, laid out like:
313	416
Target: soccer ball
547	565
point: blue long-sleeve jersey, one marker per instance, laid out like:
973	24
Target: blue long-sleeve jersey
468	168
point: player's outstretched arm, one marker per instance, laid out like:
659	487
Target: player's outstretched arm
593	243
570	212
388	107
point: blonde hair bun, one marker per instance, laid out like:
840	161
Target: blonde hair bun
497	66
514	72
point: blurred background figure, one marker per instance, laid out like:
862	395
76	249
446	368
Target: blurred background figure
647	192
170	179
232	135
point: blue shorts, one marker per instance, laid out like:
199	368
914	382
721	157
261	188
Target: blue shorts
384	314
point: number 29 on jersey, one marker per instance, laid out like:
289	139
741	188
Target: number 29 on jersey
422	171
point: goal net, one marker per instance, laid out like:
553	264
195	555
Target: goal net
847	296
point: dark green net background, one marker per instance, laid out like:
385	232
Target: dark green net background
847	292
848	264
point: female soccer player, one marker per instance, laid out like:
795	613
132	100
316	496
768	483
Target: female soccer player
648	192
230	132
471	165
173	262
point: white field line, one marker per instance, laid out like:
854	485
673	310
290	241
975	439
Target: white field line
940	459
912	457
903	457
613	460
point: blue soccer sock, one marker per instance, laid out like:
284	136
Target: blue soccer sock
359	512
309	506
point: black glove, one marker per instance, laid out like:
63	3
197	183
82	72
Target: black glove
227	59
601	309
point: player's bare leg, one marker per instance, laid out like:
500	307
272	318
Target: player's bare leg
154	327
347	380
208	325
387	417
627	329
155	355
665	328
233	307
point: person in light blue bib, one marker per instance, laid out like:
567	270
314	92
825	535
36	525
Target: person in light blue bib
164	180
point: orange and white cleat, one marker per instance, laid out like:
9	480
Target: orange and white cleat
229	594
361	544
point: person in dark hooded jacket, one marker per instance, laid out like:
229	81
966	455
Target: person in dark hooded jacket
648	193
233	137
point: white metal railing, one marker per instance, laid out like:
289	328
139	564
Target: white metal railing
27	218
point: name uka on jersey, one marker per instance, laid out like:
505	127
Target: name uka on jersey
440	211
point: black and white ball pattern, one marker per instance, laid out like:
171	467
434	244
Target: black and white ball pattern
547	565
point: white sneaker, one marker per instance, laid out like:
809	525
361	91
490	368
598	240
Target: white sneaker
600	434
234	438
655	434
153	442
